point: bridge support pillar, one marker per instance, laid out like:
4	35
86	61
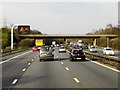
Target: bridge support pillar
65	41
108	41
94	42
34	41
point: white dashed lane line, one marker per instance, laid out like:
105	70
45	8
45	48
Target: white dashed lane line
76	80
66	68
24	69
15	81
61	62
29	63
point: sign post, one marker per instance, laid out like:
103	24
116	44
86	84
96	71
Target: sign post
22	29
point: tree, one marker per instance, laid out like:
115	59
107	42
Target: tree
25	43
5	37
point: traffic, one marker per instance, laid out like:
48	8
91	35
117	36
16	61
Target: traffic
76	51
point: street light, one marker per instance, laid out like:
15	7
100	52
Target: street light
12	32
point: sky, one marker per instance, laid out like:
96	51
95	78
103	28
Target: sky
61	17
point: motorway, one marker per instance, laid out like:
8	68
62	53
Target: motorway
25	71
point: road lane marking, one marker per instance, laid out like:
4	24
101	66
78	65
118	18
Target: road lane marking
66	68
14	57
29	63
106	66
24	69
61	62
15	81
103	65
32	60
76	80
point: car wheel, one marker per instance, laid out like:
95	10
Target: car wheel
40	60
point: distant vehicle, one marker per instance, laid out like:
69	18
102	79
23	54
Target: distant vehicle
92	49
53	42
35	48
80	43
62	49
46	54
108	51
39	42
57	45
77	54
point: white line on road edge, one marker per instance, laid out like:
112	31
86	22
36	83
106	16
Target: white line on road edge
14	57
24	69
106	66
103	65
14	82
66	68
29	63
61	62
76	80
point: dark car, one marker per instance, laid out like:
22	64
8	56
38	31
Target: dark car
46	54
77	54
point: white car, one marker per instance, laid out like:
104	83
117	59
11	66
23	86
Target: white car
62	49
92	49
108	51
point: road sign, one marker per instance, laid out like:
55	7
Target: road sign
24	29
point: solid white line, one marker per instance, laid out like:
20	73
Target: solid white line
24	69
14	82
76	80
29	63
103	65
14	57
106	66
61	62
66	68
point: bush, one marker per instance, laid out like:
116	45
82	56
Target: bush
115	43
26	43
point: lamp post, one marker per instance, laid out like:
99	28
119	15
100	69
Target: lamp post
12	32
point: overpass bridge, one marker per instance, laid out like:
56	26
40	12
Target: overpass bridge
68	36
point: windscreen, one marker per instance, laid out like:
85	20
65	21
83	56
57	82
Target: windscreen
77	52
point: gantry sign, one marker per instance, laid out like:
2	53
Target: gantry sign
23	29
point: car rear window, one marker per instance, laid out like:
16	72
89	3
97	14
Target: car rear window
108	49
62	48
77	52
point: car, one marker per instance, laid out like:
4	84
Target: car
92	49
62	49
77	54
35	48
46	54
108	51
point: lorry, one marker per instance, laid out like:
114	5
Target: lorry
39	42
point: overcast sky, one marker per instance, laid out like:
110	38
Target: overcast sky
62	17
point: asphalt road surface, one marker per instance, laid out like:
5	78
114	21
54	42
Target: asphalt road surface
26	71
